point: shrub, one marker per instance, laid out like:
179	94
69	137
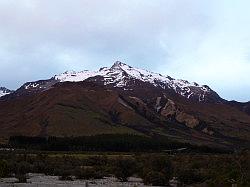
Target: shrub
65	178
22	178
157	170
23	168
3	169
124	168
88	173
155	178
190	176
66	175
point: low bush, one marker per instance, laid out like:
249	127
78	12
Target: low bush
155	178
124	168
157	170
4	170
66	175
22	178
88	173
190	176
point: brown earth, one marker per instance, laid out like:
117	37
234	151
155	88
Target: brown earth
86	108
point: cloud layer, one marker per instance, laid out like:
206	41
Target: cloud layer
203	41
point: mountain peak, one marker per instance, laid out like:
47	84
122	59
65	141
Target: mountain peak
121	75
4	91
118	65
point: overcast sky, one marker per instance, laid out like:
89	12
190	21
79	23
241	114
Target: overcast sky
206	41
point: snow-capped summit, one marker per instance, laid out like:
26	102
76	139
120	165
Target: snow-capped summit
118	64
120	75
4	91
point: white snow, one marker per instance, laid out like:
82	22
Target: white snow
3	92
32	85
120	73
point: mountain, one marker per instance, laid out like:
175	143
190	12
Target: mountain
245	107
121	75
4	91
124	100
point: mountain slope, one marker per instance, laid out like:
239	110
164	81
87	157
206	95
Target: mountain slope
244	107
84	108
122	99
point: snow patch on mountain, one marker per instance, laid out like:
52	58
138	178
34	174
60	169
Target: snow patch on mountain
123	76
4	91
119	73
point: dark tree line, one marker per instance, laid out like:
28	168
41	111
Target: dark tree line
107	142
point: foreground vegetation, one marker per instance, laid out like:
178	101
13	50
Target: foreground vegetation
155	160
153	168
